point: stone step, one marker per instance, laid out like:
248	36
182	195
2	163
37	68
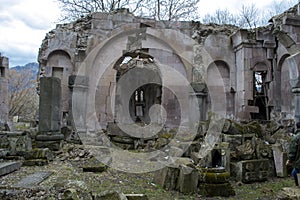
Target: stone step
33	180
8	167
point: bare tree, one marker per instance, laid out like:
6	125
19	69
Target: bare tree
249	16
221	17
157	9
23	99
276	8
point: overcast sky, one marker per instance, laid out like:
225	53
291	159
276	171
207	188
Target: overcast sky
24	24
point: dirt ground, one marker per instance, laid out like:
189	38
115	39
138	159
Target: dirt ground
68	179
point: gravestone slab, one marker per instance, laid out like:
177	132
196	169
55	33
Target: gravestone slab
8	167
280	159
33	180
50	104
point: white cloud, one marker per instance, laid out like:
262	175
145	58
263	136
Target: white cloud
24	24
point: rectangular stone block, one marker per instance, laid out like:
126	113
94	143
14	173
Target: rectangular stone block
187	180
8	167
167	178
50	104
251	170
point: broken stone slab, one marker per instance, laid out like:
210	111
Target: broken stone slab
110	195
93	165
8	167
187	180
33	180
136	196
289	193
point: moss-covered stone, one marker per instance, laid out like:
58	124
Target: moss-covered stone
206	177
212	190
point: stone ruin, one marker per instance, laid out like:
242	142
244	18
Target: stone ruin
4	92
249	77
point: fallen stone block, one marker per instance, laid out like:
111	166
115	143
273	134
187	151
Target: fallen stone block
136	196
289	193
33	180
187	180
8	167
93	165
250	170
45	153
167	177
110	195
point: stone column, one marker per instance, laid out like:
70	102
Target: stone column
49	135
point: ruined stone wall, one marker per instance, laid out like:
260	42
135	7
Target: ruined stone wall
3	90
222	63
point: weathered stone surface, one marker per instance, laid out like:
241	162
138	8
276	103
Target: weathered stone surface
280	159
33	180
212	190
39	154
50	104
289	193
250	170
167	177
187	180
110	195
93	165
8	167
52	145
136	196
35	162
213	177
3	91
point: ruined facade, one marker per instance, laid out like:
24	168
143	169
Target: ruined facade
3	90
243	74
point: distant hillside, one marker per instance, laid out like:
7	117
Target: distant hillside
34	67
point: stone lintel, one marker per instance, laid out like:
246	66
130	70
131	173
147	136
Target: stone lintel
291	20
251	109
269	44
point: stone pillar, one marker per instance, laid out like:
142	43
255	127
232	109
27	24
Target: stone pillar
3	90
49	135
296	91
78	108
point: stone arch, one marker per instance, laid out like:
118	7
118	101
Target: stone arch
294	70
285	96
218	82
104	56
59	65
